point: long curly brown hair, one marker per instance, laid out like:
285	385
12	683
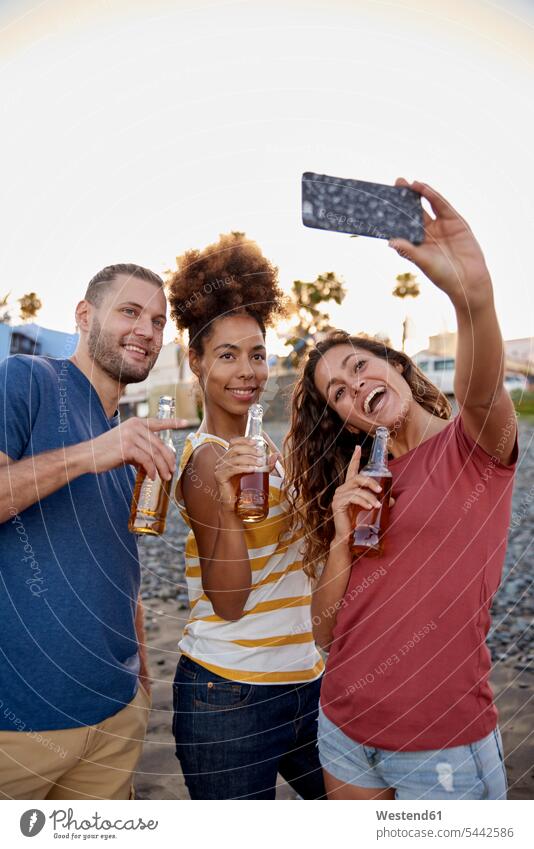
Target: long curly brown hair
231	276
318	447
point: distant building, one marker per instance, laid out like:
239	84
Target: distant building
438	362
520	355
442	344
34	339
440	370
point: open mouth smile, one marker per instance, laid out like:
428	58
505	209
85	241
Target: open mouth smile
374	399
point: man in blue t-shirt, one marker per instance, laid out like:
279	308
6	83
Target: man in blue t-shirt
72	713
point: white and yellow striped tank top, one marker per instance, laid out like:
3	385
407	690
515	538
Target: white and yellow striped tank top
272	643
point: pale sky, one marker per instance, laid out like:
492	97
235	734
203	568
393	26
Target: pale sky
135	129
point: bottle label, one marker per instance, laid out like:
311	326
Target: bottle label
146	499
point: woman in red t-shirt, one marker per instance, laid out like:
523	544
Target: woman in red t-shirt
406	708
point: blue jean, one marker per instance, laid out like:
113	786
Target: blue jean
232	739
473	771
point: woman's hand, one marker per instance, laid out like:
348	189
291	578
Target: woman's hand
359	490
450	256
242	458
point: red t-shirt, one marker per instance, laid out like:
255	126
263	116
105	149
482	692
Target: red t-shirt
408	668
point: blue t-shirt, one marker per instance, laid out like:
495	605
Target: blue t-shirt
69	569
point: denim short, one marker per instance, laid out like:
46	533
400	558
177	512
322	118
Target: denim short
474	771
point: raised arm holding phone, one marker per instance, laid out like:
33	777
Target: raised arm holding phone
408	666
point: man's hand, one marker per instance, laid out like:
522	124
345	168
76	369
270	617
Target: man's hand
136	442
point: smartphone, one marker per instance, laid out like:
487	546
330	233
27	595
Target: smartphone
360	208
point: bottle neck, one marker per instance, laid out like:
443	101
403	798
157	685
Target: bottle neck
166	411
254	427
379	451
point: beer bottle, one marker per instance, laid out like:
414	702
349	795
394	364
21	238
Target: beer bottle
150	501
370	525
252	503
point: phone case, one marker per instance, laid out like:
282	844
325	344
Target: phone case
361	208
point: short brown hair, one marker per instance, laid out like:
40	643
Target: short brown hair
99	284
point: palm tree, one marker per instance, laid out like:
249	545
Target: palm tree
307	317
407	287
30	305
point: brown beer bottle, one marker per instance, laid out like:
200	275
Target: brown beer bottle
370	525
150	501
252	503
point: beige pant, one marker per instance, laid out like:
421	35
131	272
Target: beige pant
92	762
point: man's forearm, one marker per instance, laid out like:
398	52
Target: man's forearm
24	482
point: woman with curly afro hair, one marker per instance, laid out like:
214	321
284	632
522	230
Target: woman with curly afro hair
247	684
407	710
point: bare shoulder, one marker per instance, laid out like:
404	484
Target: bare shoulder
205	456
198	477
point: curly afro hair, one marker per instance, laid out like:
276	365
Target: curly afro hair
231	276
